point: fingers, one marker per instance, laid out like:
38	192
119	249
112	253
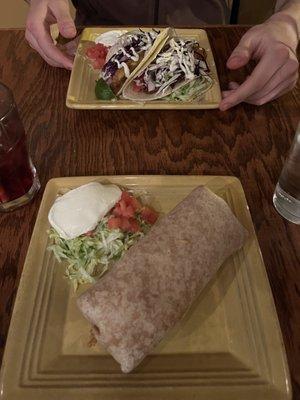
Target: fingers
272	90
61	11
263	72
276	92
38	33
241	54
34	44
286	74
45	42
38	36
232	86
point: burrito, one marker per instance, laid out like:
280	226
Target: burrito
148	291
178	72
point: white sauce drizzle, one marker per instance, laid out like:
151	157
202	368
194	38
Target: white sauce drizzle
148	38
126	69
178	58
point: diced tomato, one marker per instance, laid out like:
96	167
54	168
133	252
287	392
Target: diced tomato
123	207
136	87
126	197
97	55
123	223
124	214
136	205
131	201
134	225
121	210
114	223
129	213
130	225
98	64
127	206
97	51
117	210
149	215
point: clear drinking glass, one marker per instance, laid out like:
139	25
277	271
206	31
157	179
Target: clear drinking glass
18	179
286	197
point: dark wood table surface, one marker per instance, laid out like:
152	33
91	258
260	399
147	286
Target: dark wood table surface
248	142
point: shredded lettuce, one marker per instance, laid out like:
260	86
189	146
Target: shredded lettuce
191	91
89	257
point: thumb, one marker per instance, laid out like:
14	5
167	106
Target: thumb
240	56
64	20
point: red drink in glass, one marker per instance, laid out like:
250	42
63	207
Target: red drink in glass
18	179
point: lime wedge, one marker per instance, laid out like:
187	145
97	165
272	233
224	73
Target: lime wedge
103	91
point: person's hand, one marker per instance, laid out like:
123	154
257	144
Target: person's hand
42	14
273	45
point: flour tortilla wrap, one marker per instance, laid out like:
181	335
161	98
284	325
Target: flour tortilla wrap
129	54
149	290
179	63
204	83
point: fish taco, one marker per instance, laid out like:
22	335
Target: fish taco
125	57
178	72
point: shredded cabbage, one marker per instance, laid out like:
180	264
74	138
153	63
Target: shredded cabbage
191	91
179	60
89	257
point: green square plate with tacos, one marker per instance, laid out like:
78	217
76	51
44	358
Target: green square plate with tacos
143	68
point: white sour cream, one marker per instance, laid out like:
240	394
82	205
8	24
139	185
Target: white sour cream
80	210
109	38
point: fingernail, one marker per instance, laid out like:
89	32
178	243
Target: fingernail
69	30
234	58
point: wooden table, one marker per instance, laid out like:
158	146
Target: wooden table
248	142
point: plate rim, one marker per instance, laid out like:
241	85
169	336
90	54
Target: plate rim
130	105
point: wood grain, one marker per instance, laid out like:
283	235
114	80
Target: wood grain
248	142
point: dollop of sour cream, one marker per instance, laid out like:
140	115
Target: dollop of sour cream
109	38
79	210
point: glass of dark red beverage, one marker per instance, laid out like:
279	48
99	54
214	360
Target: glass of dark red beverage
18	179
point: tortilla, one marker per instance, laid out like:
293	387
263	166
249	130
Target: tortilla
149	290
130	94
